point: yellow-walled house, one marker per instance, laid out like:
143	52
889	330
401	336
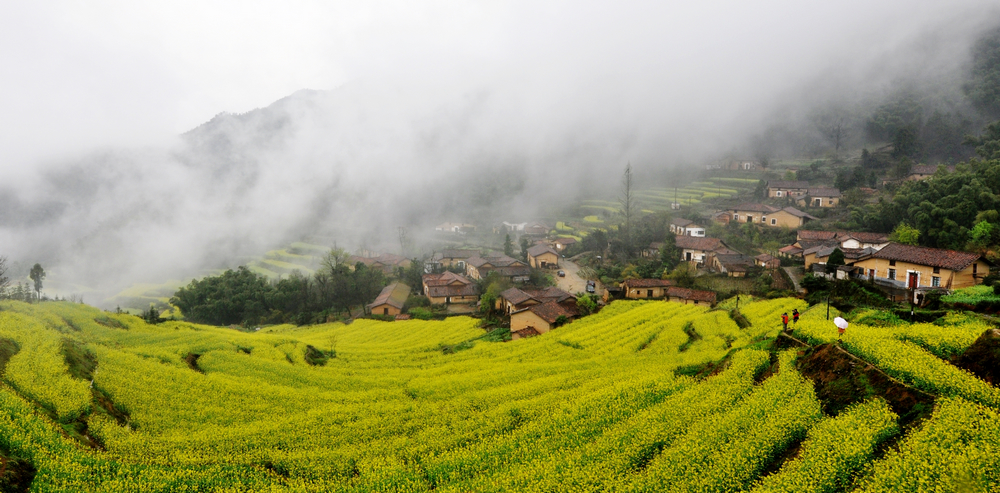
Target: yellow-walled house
449	287
391	300
539	319
542	256
820	197
907	266
645	288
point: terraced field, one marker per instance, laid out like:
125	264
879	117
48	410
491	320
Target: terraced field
94	401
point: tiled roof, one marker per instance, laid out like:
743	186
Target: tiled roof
551	293
460	290
515	296
459	254
526	332
790	250
445	278
865	237
928	169
537	250
394	294
795	212
680	221
565	241
703	243
816	235
824	192
787	184
764	257
754	207
647	283
550	311
513	270
735	262
691	294
933	257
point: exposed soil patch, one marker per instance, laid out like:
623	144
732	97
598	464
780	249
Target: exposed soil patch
81	361
110	322
692	337
841	380
103	402
16	475
8	349
192	361
982	358
316	357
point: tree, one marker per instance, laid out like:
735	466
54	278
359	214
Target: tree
508	246
4	280
524	248
336	257
981	236
836	259
626	201
988	144
670	255
983	86
37	274
585	303
404	241
905	234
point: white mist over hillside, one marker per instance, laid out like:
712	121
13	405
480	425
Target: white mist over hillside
422	113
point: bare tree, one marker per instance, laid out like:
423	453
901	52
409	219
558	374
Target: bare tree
4	280
626	201
403	240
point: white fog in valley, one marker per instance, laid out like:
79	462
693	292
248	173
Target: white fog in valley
150	141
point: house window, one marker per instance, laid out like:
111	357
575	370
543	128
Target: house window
736	217
892	274
937	270
936	281
773	221
974	266
778	193
831	201
892	262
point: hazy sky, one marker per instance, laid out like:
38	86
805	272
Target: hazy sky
83	74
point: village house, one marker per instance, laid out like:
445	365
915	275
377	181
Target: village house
562	244
514	299
779	189
653	250
821	254
386	262
686	227
912	267
455	257
645	288
820	197
390	301
810	240
734	164
923	171
514	227
479	267
455	228
543	257
694	249
767	261
537	229
765	215
731	264
875	241
692	296
541	318
448	287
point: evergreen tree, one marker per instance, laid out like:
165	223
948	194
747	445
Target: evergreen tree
508	246
37	274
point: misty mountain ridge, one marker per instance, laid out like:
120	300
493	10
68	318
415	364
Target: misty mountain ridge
355	163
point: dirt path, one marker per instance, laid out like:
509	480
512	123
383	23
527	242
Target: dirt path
795	277
573	283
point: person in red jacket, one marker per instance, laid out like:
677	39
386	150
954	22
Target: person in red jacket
795	316
784	320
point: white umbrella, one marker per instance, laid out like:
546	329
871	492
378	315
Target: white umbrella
840	323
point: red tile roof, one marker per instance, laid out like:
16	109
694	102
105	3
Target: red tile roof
754	207
705	244
824	192
691	294
933	257
542	249
515	296
550	311
394	295
816	235
647	283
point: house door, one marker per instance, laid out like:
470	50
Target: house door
819	202
385	311
687	255
871	273
911	281
749	219
649	293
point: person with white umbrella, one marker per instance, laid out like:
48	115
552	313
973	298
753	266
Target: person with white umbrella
841	326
